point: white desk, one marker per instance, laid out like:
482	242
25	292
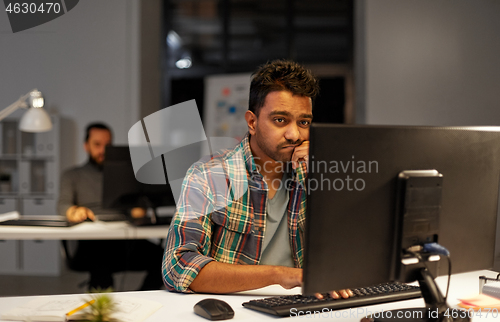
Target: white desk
179	307
85	230
40	246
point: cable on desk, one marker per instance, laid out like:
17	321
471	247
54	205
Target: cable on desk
435	248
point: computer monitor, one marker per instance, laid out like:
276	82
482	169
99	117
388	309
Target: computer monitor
352	197
121	190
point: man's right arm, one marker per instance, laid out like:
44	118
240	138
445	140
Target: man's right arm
218	277
188	267
189	236
66	204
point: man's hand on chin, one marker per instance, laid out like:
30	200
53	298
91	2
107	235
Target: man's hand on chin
300	153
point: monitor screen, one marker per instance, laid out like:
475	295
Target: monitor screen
121	190
352	192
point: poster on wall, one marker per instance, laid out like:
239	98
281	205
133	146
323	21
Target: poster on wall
226	101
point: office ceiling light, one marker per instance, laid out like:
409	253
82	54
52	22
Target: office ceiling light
174	40
184	63
36	118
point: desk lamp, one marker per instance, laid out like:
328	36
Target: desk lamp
36	118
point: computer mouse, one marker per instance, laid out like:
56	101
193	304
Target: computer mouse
213	309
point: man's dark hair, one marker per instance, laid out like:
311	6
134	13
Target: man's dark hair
280	75
91	126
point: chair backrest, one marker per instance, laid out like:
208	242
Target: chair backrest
69	247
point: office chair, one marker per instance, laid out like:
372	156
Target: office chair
69	247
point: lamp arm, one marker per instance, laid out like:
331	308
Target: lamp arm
20	103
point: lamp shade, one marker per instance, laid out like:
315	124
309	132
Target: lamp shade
35	120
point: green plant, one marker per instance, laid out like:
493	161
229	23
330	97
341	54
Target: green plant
102	308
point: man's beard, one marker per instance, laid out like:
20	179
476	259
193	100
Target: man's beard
94	162
277	154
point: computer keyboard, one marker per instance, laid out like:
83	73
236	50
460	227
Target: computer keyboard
44	221
293	304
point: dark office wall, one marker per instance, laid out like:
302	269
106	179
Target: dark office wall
151	39
430	62
426	62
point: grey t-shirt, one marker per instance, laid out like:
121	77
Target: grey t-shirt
276	245
82	186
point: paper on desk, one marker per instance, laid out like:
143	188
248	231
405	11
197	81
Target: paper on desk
44	309
9	216
132	309
480	301
54	309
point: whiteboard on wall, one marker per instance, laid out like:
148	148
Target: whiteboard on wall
226	101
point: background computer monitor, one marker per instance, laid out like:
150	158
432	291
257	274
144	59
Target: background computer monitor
121	190
350	227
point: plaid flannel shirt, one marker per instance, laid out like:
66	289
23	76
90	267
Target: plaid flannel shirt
221	215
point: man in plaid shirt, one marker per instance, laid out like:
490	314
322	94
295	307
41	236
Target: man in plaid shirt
240	218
